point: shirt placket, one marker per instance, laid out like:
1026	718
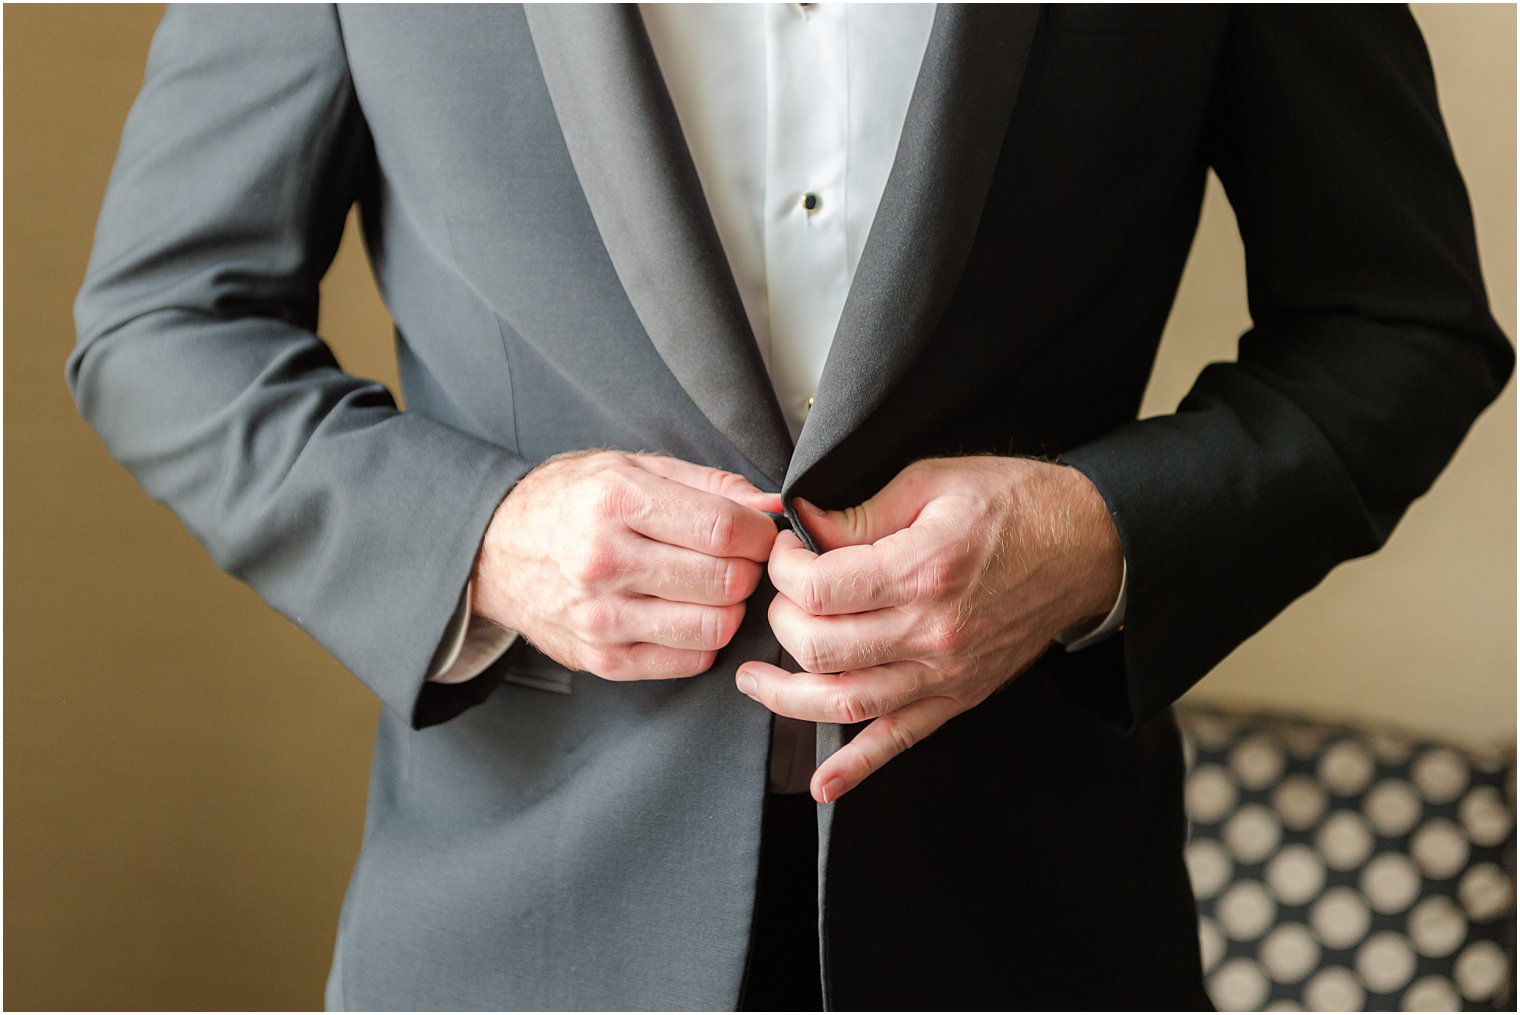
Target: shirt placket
806	244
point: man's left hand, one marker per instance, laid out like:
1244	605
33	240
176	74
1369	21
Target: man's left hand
929	597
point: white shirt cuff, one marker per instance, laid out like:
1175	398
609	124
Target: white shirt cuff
469	645
1075	642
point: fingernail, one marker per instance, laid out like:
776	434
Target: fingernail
747	683
807	507
832	789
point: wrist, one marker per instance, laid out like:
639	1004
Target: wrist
1095	555
486	590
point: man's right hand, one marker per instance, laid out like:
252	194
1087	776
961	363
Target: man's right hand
629	566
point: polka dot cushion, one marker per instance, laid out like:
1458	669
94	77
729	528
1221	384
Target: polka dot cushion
1338	869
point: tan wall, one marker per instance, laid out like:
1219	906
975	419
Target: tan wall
185	770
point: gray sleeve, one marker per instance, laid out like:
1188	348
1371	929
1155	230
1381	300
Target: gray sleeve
198	365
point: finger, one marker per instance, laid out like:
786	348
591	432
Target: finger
889	510
679	575
709	480
851	579
675	625
849	697
849	641
681	515
645	661
877	744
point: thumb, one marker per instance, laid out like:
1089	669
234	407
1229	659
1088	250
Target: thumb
890	510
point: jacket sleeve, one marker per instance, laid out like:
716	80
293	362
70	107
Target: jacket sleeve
198	365
1371	351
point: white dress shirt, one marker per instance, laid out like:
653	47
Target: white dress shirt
792	113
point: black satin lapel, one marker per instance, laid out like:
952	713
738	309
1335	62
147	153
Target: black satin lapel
927	219
627	147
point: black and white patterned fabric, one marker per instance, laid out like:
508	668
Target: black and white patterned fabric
1338	869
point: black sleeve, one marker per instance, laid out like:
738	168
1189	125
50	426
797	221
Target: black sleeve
1372	349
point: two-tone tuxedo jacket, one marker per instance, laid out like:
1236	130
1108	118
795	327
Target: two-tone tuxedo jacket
540	838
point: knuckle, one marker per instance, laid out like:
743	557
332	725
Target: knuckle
603	662
815	592
811	654
849	706
934	578
721	532
855	521
943	636
593	617
598	562
899	734
732	582
710	636
610	501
